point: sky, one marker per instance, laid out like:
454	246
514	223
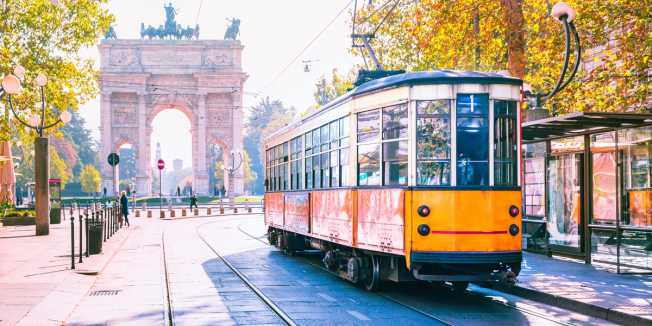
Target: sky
272	32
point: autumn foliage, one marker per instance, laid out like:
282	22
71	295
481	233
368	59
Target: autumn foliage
519	36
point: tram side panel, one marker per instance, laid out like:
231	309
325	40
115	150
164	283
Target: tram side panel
332	215
274	207
381	220
297	210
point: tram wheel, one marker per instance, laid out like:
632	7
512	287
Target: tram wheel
460	287
372	281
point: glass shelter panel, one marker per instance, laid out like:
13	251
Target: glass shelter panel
565	199
604	185
534	176
636	147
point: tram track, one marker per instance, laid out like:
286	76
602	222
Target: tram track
263	240
282	315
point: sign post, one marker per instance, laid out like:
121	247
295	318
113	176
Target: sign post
161	165
114	160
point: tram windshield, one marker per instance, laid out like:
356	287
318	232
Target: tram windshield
472	138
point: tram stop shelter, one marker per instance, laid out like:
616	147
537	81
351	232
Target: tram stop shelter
587	188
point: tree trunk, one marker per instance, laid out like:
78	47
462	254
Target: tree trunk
515	36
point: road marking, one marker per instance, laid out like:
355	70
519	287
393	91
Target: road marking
358	315
303	283
326	297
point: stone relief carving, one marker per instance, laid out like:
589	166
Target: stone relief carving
217	58
124	57
219	117
124	115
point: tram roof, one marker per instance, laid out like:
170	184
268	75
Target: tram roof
436	77
582	123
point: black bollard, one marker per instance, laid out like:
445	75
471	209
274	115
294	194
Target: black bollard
81	223
72	242
104	229
87	240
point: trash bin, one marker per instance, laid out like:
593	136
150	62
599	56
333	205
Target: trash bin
95	228
55	215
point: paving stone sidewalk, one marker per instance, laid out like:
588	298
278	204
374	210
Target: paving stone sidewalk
37	286
624	299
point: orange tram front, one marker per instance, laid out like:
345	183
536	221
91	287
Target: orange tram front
410	177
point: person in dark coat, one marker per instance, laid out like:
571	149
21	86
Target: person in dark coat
124	206
223	192
193	201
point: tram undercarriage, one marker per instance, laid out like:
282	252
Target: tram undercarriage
369	268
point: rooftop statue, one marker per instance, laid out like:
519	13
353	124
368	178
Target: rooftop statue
233	30
110	34
170	30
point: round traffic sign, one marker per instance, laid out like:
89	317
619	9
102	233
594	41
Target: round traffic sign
114	159
160	164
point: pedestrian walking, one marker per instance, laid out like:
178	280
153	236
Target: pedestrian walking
222	192
124	207
193	201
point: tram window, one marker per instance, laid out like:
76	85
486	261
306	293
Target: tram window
325	174
324	138
335	134
368	126
316	172
395	122
315	141
308	147
472	140
334	170
344	166
308	173
395	163
505	143
369	165
433	143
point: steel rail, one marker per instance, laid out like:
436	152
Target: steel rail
264	298
415	309
169	312
397	301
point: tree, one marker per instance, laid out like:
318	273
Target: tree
45	36
521	37
90	179
261	116
250	175
328	90
80	138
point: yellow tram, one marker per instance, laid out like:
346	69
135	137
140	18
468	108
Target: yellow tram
414	176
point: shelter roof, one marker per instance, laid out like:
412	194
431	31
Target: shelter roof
582	123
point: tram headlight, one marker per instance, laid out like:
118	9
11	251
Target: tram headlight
423	210
513	229
423	229
514	211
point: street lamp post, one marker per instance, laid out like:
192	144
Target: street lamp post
11	85
565	14
231	171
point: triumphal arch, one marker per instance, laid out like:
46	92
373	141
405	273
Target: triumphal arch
201	78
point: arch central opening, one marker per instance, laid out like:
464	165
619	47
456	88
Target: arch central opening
171	140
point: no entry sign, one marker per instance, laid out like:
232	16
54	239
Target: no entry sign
160	164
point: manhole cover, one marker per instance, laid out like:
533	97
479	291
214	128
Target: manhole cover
104	293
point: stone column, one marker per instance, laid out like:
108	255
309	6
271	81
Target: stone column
143	179
200	183
107	141
237	146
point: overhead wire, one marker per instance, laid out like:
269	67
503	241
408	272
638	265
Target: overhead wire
305	48
201	2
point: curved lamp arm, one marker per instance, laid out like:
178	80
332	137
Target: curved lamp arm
39	129
565	14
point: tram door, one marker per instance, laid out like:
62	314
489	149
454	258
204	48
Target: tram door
565	204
